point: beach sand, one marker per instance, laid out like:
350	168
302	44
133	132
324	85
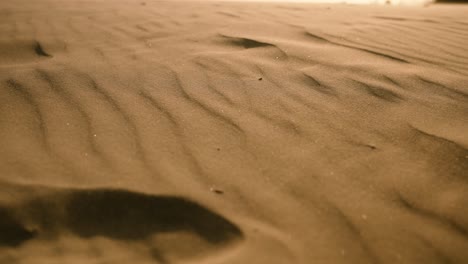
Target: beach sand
232	132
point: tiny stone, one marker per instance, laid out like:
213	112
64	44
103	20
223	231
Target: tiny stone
218	149
217	191
260	78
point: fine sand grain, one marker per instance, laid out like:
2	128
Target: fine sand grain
227	133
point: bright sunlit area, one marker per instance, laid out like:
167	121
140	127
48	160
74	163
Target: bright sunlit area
362	2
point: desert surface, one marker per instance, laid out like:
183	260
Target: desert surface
232	132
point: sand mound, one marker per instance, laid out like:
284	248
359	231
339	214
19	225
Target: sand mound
19	52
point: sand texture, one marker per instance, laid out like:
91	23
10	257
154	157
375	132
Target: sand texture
230	133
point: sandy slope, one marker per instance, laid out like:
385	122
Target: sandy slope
185	132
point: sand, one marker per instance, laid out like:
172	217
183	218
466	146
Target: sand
232	132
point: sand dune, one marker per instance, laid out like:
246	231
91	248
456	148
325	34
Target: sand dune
224	132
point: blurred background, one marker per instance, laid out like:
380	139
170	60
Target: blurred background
381	2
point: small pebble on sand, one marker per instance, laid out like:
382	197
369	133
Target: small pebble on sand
216	190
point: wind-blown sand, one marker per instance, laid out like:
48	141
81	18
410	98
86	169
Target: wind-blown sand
186	132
